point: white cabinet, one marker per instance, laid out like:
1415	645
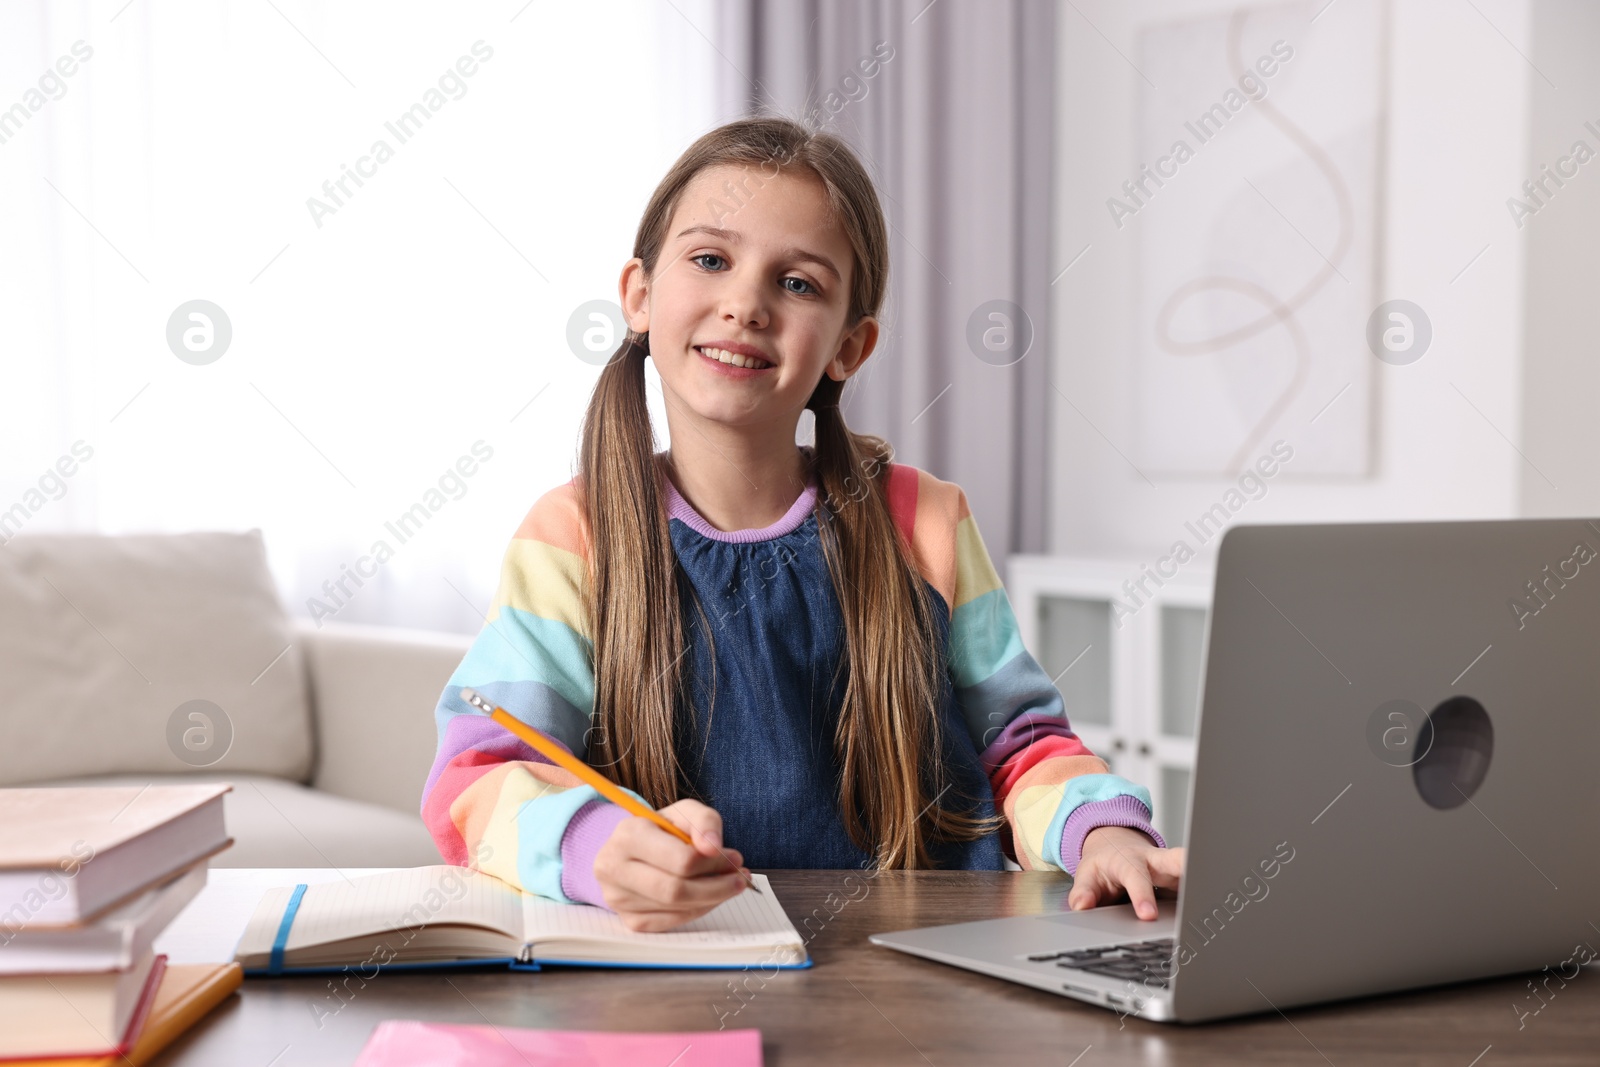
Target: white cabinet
1124	645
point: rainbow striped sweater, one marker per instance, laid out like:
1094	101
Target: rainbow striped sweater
494	804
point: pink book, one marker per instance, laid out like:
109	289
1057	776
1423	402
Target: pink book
407	1042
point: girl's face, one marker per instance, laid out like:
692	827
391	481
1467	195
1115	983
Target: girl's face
754	264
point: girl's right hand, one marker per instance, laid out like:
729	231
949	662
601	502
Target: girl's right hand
654	881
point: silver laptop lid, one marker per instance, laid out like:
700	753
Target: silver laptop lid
1394	781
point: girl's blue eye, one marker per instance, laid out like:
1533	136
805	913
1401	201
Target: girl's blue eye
809	289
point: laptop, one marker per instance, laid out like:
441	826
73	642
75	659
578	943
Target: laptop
1394	781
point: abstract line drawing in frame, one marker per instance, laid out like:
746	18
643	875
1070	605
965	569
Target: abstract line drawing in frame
1255	197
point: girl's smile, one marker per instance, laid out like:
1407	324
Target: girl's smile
737	362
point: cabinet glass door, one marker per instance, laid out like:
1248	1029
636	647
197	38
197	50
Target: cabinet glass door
1074	648
1182	641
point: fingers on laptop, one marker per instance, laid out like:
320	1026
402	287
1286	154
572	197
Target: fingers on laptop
1104	875
1100	879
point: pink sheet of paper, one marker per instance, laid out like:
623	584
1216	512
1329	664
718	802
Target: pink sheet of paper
409	1042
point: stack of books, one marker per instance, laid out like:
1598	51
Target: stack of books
88	878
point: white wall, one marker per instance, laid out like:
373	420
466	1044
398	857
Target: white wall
1454	149
1562	377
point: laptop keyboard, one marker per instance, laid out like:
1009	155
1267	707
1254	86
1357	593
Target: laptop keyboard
1149	962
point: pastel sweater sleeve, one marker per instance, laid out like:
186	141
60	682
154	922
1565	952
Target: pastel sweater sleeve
490	801
1051	789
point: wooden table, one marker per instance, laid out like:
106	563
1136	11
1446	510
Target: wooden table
864	1004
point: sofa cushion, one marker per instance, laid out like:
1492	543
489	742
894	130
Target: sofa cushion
275	823
150	653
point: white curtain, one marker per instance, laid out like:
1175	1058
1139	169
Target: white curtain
397	313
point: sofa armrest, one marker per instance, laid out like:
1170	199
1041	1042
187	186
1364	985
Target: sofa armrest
373	694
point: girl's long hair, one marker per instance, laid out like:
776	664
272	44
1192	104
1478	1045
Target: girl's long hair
892	794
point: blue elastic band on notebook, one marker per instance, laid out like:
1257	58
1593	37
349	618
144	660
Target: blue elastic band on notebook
275	962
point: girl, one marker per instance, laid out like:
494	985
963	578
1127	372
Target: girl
801	655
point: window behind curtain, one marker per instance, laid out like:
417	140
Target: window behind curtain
380	330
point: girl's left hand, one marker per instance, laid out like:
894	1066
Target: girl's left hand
1117	858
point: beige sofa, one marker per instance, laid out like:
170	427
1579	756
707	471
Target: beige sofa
147	658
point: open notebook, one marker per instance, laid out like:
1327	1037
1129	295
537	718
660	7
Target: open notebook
453	916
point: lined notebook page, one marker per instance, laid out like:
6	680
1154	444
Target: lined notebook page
379	903
752	920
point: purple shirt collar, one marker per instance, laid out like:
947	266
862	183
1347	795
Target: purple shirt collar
680	509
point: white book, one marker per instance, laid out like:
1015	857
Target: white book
446	915
113	942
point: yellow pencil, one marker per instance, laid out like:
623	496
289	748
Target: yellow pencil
587	774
